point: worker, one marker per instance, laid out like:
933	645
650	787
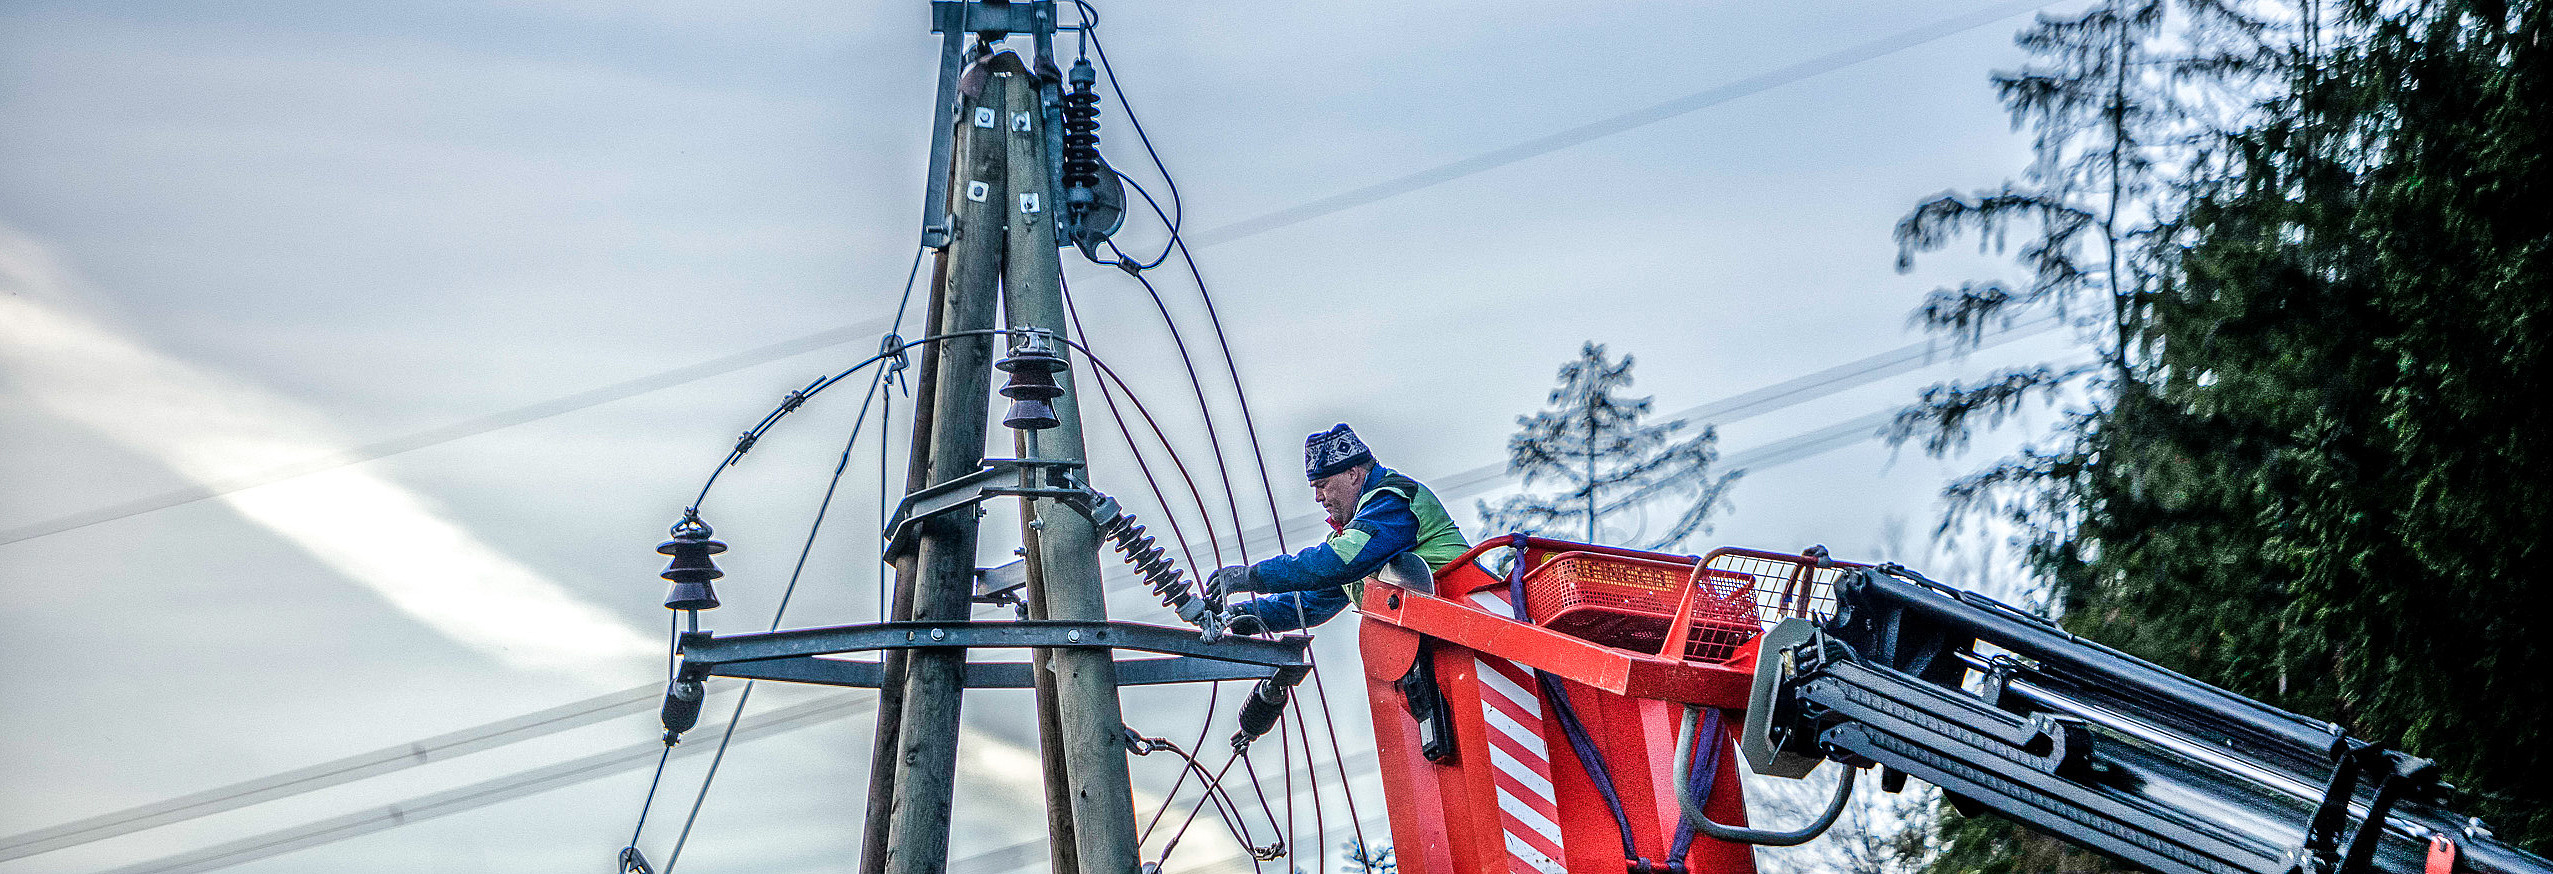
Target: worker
1382	523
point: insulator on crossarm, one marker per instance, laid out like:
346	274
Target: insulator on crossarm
1152	564
1132	541
691	569
1032	364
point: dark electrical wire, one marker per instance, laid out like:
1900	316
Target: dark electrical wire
1211	786
1205	409
1173	219
1287	217
796	399
1338	755
1223	470
1241	395
859	421
1182	831
886	429
1134	449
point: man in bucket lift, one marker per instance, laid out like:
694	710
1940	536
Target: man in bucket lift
1384	525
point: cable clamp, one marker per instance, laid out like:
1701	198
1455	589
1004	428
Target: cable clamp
1145	746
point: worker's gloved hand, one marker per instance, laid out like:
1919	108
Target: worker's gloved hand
1238	622
1229	580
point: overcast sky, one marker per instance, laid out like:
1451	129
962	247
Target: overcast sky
239	236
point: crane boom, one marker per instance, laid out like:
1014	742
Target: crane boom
2007	712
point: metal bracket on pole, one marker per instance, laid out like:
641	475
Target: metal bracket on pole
991	21
999	477
793	656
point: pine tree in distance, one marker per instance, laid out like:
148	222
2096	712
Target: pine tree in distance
1591	445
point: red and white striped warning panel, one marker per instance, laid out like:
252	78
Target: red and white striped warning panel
1527	808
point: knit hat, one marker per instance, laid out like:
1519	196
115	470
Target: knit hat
1333	451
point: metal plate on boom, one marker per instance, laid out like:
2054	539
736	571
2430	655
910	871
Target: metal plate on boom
1772	666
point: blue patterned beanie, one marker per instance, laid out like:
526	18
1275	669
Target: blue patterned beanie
1333	451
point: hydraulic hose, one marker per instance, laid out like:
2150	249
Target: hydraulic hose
1741	834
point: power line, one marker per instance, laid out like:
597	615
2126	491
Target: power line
332	773
1282	218
445	434
475	795
1769	398
590	767
1638	118
1787	393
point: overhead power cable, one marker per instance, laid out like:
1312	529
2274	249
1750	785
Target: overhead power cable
333	773
867	330
1288	217
477	795
1787	393
1638	118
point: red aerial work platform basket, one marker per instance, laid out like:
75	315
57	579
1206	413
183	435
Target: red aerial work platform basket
1472	706
1632	602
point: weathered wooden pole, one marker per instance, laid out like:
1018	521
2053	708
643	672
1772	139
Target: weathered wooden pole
943	557
1064	549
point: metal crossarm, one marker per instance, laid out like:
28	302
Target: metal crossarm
999	477
794	656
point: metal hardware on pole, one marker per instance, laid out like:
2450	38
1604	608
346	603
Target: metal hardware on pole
954	20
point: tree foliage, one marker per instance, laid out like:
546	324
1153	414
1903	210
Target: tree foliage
2305	472
2328	500
1605	461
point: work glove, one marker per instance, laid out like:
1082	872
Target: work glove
1227	581
1237	622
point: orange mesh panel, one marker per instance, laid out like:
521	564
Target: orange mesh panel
1629	603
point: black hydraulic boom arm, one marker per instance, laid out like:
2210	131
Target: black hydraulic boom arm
2007	712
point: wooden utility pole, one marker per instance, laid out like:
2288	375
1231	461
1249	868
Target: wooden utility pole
1002	203
1079	690
924	726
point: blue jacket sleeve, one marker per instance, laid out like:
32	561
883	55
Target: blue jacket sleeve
1383	527
1293	611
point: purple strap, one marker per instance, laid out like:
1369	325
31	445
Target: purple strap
1579	742
1705	766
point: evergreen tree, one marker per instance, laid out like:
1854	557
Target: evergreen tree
2328	503
2310	482
1592	444
2124	102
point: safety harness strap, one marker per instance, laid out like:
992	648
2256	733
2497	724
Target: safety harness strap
1705	766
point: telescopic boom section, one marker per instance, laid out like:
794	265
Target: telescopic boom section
2007	712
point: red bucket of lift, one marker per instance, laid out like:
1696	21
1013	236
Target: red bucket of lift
1632	603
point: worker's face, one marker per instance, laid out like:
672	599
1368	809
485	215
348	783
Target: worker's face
1337	493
